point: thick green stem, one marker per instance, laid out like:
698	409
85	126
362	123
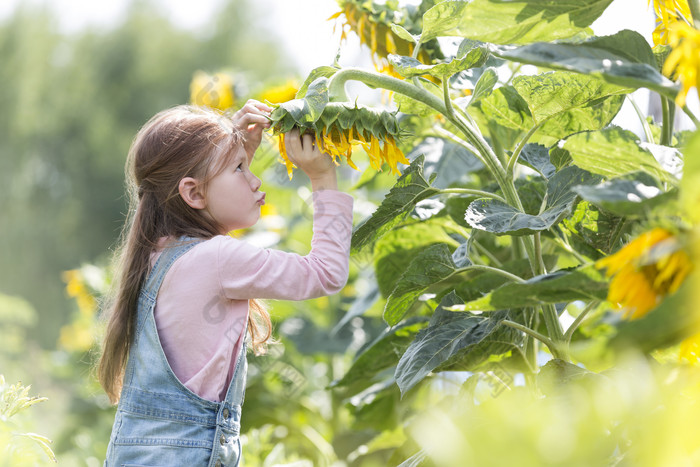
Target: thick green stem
692	117
667	129
551	322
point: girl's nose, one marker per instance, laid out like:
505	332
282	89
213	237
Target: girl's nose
255	182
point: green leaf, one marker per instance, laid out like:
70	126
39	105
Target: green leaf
409	67
554	93
428	267
484	86
320	72
590	227
502	219
537	157
621	59
625	197
511	22
384	352
394	252
506	108
583	283
451	336
409	189
403	33
309	109
614	152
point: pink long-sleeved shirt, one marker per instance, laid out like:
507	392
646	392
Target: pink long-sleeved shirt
201	310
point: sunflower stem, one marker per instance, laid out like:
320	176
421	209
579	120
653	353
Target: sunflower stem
667	124
642	119
516	153
692	117
578	321
532	333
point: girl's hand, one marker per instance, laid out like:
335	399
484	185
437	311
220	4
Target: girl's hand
305	153
252	118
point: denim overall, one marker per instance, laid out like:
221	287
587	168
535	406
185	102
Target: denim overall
159	422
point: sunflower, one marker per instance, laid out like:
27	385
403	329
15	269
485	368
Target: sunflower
684	60
342	126
650	267
667	13
215	91
371	22
282	93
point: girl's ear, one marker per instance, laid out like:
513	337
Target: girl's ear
192	193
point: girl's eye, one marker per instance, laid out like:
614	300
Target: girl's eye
239	168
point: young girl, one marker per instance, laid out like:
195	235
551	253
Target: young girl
175	344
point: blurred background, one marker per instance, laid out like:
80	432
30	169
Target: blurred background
78	79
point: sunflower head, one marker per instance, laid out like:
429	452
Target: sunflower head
645	270
339	128
214	91
372	21
668	12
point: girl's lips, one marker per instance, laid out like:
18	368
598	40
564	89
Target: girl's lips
261	200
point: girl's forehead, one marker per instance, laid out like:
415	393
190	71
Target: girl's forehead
227	152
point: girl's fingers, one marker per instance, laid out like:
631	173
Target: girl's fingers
293	144
307	142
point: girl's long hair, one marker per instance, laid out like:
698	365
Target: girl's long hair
180	142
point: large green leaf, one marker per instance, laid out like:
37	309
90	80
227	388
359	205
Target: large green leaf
502	219
626	196
409	189
451	162
537	157
583	283
506	108
430	266
453	336
614	152
623	59
511	22
592	229
554	93
394	252
409	67
383	353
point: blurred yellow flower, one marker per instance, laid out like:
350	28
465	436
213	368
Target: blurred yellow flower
650	267
76	288
684	60
690	349
667	13
215	91
282	93
79	335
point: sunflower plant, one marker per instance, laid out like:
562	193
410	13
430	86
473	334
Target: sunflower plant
525	226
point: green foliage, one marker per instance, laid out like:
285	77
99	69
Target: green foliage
19	448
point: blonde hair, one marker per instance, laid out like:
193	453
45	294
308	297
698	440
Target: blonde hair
180	142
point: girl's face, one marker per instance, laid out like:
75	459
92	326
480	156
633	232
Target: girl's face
232	196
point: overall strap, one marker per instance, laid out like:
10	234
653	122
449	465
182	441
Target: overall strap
169	255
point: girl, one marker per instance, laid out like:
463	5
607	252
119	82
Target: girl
175	344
